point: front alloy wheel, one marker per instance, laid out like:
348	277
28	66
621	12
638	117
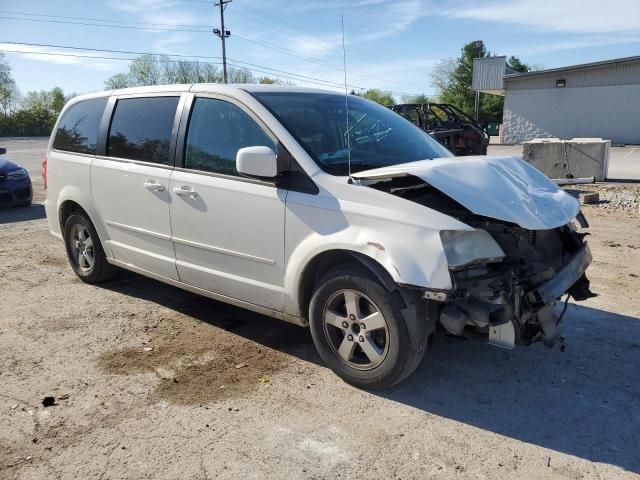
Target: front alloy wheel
359	329
356	329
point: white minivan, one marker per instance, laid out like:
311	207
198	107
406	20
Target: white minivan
352	221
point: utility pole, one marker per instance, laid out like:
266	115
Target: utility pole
222	33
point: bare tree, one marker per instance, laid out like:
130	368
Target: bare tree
184	72
240	75
442	74
145	70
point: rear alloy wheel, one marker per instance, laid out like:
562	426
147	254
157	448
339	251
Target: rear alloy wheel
84	250
359	330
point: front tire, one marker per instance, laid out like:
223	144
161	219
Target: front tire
359	330
84	250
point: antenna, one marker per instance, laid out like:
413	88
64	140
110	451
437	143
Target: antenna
346	99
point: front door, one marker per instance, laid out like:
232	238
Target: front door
228	231
130	186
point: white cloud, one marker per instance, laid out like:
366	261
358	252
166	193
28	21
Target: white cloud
401	76
313	46
578	43
137	6
395	18
166	16
170	40
57	56
567	16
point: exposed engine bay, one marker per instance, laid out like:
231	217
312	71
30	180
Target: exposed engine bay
513	296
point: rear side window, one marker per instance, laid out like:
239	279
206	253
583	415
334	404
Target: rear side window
78	127
217	130
141	129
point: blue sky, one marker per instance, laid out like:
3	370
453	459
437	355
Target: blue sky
391	44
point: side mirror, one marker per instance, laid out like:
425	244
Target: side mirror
257	162
3	150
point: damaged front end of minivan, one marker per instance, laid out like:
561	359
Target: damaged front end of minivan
513	298
525	253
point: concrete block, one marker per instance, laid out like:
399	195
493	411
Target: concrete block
589	198
575	158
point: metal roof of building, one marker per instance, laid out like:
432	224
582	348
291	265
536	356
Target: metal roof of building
599	64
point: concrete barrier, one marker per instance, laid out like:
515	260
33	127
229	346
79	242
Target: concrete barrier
578	157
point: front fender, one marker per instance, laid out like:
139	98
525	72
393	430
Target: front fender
411	255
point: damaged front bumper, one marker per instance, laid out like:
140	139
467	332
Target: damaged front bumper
517	301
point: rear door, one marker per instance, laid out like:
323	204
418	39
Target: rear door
130	184
228	230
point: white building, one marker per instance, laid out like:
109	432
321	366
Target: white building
600	99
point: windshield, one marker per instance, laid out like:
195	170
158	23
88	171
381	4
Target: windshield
377	136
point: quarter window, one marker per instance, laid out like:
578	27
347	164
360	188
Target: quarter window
141	129
217	130
78	128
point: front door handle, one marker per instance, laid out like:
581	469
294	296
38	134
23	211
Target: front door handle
185	191
153	186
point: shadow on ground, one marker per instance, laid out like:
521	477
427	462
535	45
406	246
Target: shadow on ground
584	401
22	214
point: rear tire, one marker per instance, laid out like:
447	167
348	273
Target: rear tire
359	330
84	250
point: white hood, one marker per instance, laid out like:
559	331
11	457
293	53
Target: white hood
504	188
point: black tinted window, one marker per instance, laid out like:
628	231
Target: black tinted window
141	129
78	127
375	137
217	130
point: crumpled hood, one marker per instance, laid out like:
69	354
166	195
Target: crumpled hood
504	188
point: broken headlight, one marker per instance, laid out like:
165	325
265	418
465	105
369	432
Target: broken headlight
467	247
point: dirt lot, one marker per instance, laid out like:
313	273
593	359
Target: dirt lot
153	382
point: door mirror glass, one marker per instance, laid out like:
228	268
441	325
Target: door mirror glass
257	162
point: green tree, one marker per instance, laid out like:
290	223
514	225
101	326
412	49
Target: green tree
9	93
383	98
119	80
57	100
421	98
516	65
453	77
457	89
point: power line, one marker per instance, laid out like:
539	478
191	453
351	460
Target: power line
106	20
88	24
151	27
170	58
311	60
249	13
102	57
276	19
166	58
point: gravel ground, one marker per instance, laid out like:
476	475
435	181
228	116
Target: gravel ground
153	382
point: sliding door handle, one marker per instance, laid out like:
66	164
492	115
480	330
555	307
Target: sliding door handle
185	191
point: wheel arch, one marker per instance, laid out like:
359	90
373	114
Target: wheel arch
325	261
72	199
